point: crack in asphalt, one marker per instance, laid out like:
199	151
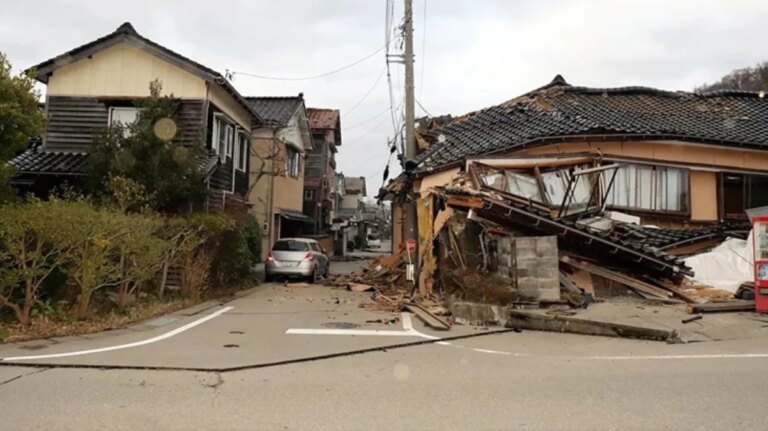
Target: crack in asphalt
13	379
384	349
217	384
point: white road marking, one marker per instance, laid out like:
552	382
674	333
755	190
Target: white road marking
373	332
409	331
667	357
161	337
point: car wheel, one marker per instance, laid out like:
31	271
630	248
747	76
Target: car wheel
269	278
327	270
313	276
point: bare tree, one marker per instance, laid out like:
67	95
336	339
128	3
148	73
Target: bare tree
747	79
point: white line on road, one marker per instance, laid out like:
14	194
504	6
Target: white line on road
161	337
409	331
374	332
662	357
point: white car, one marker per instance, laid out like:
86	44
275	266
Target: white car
374	242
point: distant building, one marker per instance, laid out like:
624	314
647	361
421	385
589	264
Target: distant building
277	167
320	174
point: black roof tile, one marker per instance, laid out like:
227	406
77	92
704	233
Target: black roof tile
276	111
560	110
33	161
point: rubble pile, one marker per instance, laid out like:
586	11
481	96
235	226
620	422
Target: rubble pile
385	278
494	222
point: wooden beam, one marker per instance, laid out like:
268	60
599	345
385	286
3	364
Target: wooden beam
632	283
465	201
713	307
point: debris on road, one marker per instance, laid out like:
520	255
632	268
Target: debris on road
427	317
297	284
725	306
692	319
357	287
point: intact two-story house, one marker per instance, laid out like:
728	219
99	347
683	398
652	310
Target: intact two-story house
277	167
319	178
97	84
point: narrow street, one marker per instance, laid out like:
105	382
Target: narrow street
297	358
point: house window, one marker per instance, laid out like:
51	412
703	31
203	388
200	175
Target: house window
124	116
242	152
649	188
309	195
292	162
223	136
740	192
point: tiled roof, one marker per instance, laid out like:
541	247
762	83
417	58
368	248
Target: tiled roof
124	33
323	119
276	111
33	161
669	238
561	110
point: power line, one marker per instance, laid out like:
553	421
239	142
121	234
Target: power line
423	51
423	108
368	120
366	94
307	78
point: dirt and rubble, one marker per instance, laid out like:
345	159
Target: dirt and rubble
385	278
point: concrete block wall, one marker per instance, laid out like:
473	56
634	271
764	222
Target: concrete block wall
537	267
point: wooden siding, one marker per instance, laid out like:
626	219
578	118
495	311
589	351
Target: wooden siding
222	177
74	122
189	119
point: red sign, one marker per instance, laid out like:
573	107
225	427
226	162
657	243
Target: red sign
411	244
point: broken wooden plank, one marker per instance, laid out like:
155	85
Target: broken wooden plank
677	292
692	319
582	280
428	318
715	307
632	283
359	287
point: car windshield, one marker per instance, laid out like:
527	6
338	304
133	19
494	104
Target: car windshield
290	245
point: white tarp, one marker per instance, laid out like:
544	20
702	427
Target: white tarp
726	266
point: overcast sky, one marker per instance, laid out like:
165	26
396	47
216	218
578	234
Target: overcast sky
475	54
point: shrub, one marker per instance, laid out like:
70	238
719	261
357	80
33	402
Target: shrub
34	241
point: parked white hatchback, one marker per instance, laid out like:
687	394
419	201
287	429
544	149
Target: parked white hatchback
297	257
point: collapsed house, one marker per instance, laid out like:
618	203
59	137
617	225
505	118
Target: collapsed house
565	190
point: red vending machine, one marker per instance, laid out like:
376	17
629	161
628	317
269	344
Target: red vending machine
760	244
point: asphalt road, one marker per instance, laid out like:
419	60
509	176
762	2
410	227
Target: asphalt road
255	363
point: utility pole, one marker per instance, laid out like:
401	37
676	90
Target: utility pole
411	219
